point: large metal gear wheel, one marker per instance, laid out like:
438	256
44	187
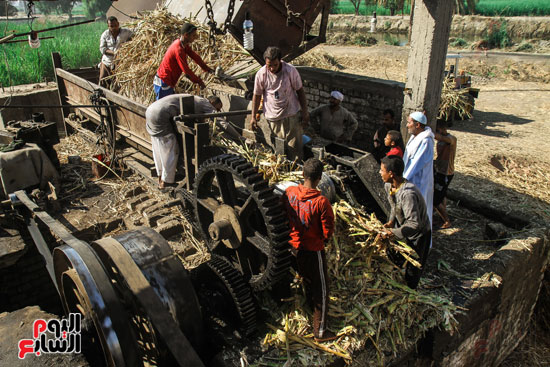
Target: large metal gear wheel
217	282
241	219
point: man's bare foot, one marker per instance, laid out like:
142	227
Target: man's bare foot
161	184
446	225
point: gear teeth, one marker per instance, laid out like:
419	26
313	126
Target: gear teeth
282	239
264	193
253	173
272	210
240	292
268	206
270	203
279	220
243	167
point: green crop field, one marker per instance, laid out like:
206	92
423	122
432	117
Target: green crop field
20	64
483	7
346	7
513	7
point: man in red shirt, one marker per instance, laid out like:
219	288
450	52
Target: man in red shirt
311	225
174	63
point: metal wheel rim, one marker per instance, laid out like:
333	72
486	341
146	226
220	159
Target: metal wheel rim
106	313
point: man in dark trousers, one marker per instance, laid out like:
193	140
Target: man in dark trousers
408	218
311	225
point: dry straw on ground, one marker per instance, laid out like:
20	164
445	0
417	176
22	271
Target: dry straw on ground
79	181
137	61
318	59
509	182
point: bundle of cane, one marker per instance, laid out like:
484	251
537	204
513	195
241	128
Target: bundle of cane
137	60
370	303
453	99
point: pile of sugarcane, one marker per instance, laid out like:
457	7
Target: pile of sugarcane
137	61
370	303
452	99
274	167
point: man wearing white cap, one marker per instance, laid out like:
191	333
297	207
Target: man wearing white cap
419	156
334	122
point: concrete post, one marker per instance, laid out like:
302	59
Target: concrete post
430	35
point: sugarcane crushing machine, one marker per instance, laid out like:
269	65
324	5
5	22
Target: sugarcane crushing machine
139	304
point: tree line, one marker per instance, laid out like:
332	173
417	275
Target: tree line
92	8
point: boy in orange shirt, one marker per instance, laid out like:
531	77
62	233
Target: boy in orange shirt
311	225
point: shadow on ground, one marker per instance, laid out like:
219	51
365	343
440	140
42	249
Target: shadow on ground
489	123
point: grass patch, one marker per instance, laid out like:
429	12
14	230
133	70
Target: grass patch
497	34
484	7
78	46
346	7
457	42
524	46
513	7
390	40
364	40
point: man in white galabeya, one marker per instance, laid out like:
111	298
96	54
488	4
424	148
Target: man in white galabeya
419	156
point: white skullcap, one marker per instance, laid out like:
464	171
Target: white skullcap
337	95
419	117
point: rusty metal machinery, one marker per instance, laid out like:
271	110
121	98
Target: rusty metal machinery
292	20
229	205
216	282
263	257
241	218
356	176
139	304
232	208
37	131
85	288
